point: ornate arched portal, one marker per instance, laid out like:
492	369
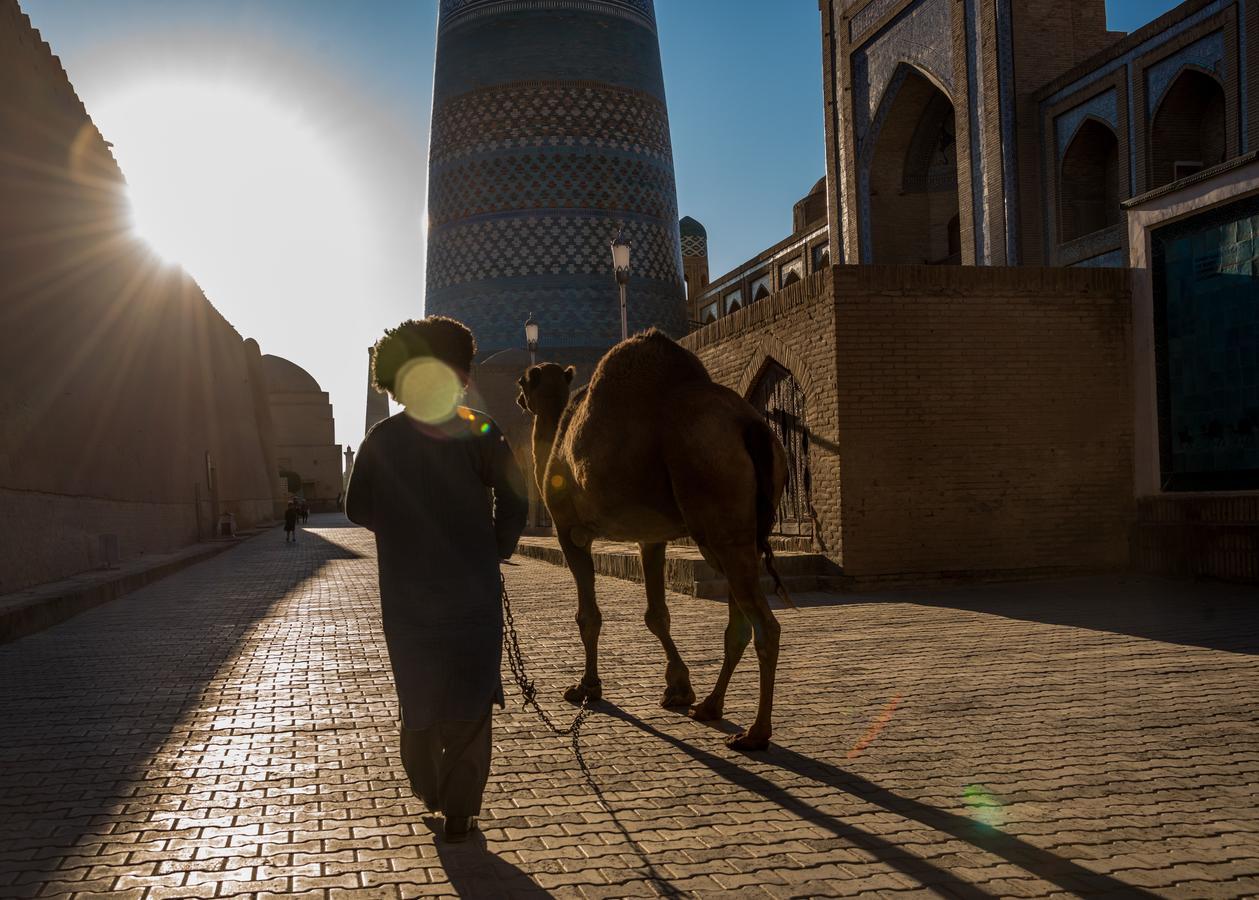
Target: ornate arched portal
912	176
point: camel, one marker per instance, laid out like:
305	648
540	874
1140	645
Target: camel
650	451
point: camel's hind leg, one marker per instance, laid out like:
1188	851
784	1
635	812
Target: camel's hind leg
678	691
589	619
742	567
738	634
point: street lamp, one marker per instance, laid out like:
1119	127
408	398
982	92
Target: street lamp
621	265
531	339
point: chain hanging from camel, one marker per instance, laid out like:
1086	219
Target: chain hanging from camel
529	691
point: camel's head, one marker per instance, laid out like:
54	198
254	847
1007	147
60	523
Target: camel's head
544	388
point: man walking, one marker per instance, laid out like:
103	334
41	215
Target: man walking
290	522
423	482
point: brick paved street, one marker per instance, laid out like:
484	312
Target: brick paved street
230	731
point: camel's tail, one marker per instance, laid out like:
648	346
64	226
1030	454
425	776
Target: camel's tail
768	459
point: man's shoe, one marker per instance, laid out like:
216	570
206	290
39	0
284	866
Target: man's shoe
458	828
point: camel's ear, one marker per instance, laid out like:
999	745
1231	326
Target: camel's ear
569	373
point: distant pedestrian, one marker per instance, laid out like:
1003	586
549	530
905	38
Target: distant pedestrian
305	509
290	522
419	482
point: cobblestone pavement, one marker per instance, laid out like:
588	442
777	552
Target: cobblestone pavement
230	731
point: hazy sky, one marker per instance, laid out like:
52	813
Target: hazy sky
277	148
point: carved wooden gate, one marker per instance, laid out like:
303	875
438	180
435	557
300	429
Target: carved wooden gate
778	397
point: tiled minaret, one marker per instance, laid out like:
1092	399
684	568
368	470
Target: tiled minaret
549	134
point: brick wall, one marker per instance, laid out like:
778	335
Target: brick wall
117	376
985	419
983	415
795	327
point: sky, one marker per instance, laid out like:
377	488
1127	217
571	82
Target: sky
277	148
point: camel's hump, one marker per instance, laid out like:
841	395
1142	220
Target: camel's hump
647	362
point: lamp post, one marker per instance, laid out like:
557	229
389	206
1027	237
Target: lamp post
531	339
621	265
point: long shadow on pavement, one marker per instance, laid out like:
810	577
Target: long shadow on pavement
475	871
88	703
1211	614
1050	867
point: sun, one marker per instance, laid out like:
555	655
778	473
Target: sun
235	185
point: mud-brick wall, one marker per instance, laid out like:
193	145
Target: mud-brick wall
796	328
985	419
117	376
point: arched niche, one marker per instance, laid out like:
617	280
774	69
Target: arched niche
1088	182
912	176
1188	130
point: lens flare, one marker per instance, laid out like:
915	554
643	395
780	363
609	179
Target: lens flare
984	808
873	731
485	428
557	482
429	390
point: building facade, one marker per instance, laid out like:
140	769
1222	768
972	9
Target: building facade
307	455
953	406
550	135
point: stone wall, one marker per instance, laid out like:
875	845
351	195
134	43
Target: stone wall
983	416
118	380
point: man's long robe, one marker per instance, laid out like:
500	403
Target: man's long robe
446	503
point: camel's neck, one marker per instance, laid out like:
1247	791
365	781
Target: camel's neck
545	425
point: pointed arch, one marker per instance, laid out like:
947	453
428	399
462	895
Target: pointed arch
1088	181
908	172
1188	128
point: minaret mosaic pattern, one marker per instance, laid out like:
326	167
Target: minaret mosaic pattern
550	133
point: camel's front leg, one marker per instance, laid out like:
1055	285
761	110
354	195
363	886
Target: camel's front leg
589	619
677	677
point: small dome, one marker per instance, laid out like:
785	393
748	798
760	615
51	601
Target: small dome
284	376
691	228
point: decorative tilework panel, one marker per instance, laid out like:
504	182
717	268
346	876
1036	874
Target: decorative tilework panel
918	36
1104	106
456	12
568	180
546	245
1207	53
550	114
694	245
864	20
571	311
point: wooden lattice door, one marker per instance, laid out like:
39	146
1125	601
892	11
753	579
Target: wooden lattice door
778	397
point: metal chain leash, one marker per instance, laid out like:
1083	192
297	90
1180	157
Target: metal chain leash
529	691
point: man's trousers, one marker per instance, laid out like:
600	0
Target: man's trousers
448	764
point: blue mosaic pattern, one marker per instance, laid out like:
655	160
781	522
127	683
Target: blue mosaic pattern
571	311
1104	106
553	181
1207	53
511	246
541	149
865	19
912	37
454	13
550	114
978	165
